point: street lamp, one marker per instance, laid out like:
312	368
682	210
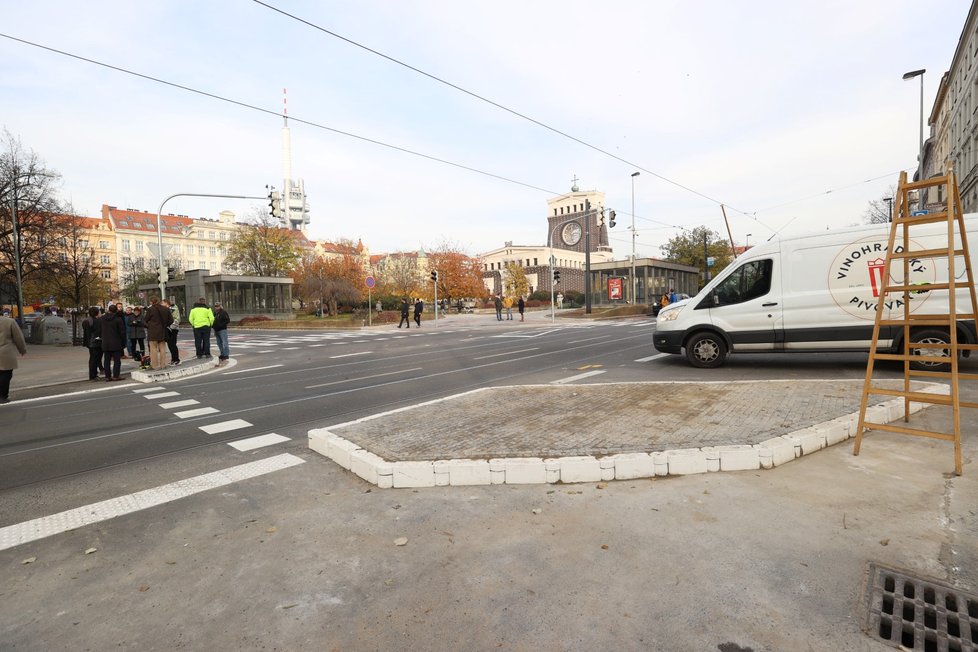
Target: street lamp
889	202
920	153
634	298
159	229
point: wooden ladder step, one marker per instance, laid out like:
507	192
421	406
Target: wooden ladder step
928	320
899	357
909	431
929	218
919	397
912	289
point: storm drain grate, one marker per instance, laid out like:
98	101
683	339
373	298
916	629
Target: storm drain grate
920	614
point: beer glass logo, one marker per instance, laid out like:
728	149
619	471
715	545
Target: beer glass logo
856	277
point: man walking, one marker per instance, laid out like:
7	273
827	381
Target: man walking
418	309
522	306
157	319
201	319
405	310
221	321
11	343
172	332
113	342
498	303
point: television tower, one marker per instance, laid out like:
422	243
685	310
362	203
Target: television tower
295	209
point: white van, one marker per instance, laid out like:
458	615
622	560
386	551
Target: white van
816	293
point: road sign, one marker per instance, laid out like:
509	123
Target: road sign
370	282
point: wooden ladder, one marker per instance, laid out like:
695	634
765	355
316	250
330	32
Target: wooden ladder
901	248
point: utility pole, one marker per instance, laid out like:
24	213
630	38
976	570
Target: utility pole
587	256
16	236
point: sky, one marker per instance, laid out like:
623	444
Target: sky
793	115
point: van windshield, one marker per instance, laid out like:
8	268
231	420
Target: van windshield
750	281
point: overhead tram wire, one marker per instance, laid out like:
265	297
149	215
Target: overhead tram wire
277	114
498	106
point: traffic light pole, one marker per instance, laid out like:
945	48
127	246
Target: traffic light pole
161	270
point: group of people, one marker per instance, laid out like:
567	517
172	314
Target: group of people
112	333
507	303
406	312
203	319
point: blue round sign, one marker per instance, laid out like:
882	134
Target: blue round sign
371	282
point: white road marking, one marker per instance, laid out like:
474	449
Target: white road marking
271	366
586	374
265	351
225	426
143	390
46	526
199	412
653	357
546	332
347	380
347	355
312	345
496	355
161	395
591	339
252	443
292	348
176	404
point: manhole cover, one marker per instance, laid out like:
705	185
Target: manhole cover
920	614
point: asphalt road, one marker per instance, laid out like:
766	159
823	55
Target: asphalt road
311	557
105	441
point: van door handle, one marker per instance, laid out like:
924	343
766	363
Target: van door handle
768	305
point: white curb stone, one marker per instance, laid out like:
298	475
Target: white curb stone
553	470
580	468
738	457
629	466
806	441
712	458
317	440
366	464
686	461
607	465
835	431
339	449
497	471
775	452
524	470
660	462
442	478
413	474
468	472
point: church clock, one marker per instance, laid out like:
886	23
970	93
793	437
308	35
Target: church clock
571	234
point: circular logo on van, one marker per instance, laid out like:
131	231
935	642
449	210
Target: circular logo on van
856	277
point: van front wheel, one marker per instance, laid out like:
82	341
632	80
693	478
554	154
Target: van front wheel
706	350
931	336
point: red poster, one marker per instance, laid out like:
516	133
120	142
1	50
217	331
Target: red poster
615	291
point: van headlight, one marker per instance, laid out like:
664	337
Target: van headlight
670	313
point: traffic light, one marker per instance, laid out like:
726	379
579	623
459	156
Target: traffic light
161	274
556	276
611	219
171	272
274	203
601	218
434	276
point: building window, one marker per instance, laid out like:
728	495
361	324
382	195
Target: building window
190	249
534	262
83	244
139	246
200	250
224	235
103	244
104	260
106	274
210	235
126	245
213	251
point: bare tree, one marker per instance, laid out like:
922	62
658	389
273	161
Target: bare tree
74	276
880	210
26	183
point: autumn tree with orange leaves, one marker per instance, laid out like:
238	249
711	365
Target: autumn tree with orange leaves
459	275
328	280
